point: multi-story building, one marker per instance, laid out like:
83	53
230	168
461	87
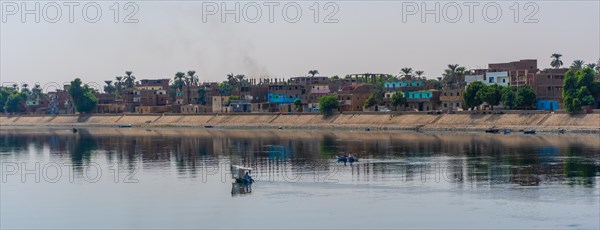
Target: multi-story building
451	99
154	84
423	100
352	98
548	85
285	94
520	72
404	85
309	80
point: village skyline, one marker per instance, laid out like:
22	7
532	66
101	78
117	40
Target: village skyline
423	75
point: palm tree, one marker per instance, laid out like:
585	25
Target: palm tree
231	79
118	87
36	92
313	72
129	79
241	79
180	80
556	62
109	88
406	72
454	75
419	73
592	66
193	78
24	88
578	64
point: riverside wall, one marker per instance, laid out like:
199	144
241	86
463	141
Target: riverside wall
541	122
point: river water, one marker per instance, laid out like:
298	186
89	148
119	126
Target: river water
180	178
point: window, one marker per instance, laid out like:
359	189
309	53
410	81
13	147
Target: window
458	94
504	80
445	105
457	104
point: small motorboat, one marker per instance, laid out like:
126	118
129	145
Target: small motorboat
492	130
74	130
531	131
208	126
507	131
352	159
561	131
241	174
344	159
125	126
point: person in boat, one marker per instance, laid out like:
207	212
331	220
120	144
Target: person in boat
351	158
248	178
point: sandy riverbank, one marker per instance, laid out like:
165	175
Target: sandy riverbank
577	123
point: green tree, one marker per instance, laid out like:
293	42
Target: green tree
556	62
118	87
491	94
298	104
313	72
470	96
584	96
454	75
569	90
586	77
15	102
109	88
129	79
179	80
83	97
578	64
508	97
328	103
191	80
579	88
406	72
525	96
397	99
4	93
434	84
419	73
370	101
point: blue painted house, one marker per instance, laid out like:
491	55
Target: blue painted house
547	105
285	94
403	84
282	98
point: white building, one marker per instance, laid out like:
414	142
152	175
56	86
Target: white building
500	78
473	78
490	78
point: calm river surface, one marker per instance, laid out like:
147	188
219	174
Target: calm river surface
180	178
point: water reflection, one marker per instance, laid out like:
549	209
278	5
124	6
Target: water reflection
484	160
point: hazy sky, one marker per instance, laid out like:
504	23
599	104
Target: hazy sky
368	37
